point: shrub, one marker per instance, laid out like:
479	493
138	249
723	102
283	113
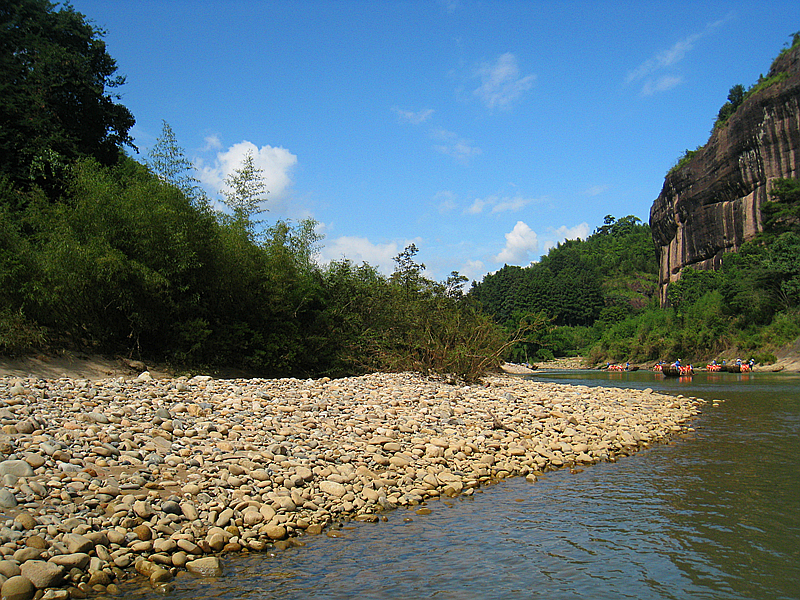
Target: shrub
18	335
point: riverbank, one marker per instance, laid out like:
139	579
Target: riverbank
109	475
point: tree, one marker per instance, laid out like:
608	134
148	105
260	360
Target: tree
782	213
407	271
735	98
454	285
246	184
169	163
55	98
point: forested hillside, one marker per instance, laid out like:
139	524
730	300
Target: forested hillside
580	287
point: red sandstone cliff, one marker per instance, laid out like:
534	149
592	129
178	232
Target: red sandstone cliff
711	204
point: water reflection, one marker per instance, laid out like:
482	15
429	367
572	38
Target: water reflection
715	515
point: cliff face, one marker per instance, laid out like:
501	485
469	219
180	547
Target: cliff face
711	204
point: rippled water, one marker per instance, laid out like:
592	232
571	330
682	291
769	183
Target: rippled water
715	515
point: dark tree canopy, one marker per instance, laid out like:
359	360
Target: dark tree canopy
55	103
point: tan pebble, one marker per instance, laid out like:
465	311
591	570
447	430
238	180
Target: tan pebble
160	575
144	567
256	545
191	488
217	541
36	541
99	577
189	547
164	545
26	519
209	566
274	532
179	559
252	517
25	554
143	532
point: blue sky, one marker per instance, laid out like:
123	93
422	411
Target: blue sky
483	132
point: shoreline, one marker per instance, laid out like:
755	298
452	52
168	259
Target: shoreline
106	476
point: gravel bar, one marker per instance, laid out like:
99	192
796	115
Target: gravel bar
105	479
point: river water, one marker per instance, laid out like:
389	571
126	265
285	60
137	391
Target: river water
714	515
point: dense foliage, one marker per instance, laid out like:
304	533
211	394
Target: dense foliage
99	252
126	262
579	285
56	102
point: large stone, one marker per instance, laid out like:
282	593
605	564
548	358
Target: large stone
209	566
18	588
26	520
7	498
143	509
42	574
224	517
160	575
274	532
77	560
78	543
260	475
17	468
189	547
9	568
25	554
333	488
143	532
189	511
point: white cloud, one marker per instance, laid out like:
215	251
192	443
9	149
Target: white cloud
415	118
662	84
360	250
668	59
276	164
558	235
212	143
474	270
454	146
477	206
521	243
501	83
511	204
446	201
595	190
499	204
570	233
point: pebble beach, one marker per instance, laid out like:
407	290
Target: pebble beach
112	478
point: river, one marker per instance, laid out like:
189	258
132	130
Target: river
713	515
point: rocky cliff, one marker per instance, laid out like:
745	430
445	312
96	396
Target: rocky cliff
711	203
